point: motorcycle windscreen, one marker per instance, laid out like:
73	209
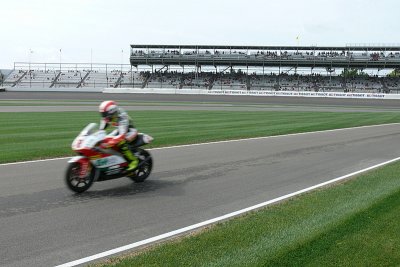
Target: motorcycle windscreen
90	129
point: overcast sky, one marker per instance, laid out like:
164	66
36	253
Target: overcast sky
107	27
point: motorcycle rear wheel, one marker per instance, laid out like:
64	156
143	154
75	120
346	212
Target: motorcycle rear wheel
144	170
76	183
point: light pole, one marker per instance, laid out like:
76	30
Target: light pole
133	83
91	58
29	55
122	58
30	75
60	59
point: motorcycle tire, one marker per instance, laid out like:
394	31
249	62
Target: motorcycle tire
144	170
73	181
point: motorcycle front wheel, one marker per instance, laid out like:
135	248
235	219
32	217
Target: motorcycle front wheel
74	181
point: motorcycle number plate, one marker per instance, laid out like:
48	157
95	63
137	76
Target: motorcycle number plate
77	144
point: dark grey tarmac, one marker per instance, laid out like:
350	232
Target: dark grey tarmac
275	100
44	224
56	101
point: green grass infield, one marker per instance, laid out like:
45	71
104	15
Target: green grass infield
38	135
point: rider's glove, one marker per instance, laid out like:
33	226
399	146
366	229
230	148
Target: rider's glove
112	143
109	144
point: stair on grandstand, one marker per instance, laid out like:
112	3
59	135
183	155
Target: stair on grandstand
145	82
70	78
211	84
248	85
82	81
55	80
14	77
131	79
118	82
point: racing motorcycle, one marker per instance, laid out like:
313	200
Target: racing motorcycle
96	164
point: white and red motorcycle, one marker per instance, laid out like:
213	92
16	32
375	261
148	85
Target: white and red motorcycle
96	164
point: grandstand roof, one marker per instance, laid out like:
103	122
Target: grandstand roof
289	48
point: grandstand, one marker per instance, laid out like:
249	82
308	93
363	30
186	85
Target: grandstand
267	56
227	68
75	75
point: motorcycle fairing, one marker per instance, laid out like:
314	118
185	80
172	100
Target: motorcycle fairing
108	161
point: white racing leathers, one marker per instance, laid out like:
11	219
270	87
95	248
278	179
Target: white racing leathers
125	129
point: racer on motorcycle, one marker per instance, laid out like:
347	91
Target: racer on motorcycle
125	133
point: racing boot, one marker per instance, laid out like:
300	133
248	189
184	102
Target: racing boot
132	160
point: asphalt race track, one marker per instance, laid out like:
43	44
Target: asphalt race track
44	224
275	100
55	101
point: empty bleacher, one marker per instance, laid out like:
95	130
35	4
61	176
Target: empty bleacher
31	78
70	78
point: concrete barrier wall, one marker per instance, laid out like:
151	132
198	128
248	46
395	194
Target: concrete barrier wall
211	92
252	93
155	91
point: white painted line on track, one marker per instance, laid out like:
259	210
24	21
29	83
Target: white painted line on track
217	219
275	136
32	161
220	142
